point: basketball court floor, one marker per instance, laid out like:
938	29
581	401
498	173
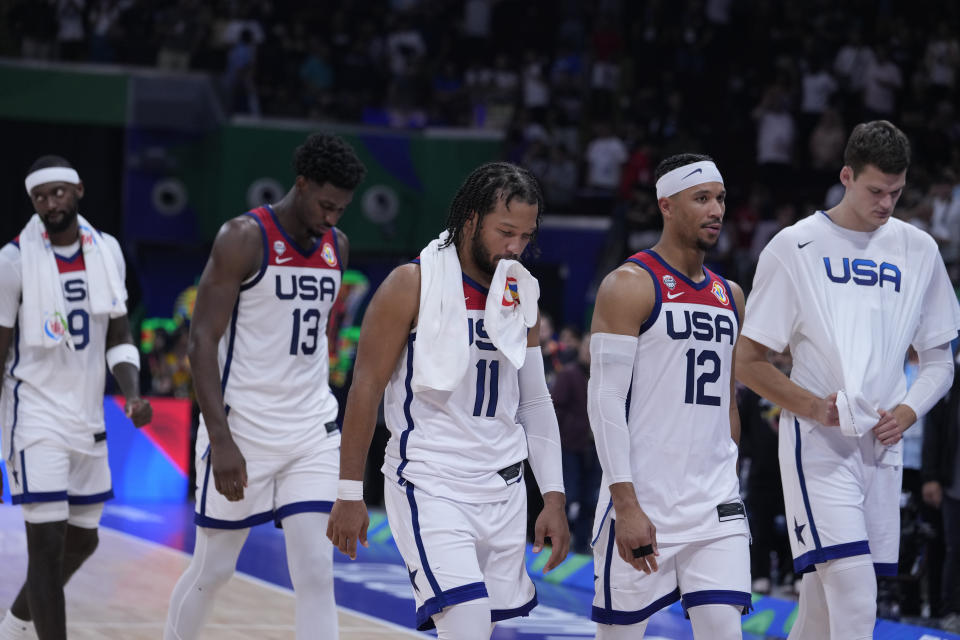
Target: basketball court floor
122	591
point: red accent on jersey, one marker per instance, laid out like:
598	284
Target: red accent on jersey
69	266
476	298
682	290
283	252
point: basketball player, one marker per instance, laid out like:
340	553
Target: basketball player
454	487
63	309
268	440
670	524
848	290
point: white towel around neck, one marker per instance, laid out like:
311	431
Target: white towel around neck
511	309
44	319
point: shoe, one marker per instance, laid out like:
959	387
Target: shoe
950	622
13	628
761	585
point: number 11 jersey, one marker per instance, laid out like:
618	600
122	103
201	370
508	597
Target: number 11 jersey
683	459
274	363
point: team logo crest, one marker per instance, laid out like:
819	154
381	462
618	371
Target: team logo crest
510	294
279	247
719	292
669	281
55	326
328	254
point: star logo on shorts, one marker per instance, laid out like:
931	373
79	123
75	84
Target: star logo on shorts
413	579
798	530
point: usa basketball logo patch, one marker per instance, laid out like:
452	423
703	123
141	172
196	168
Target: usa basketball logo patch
328	254
510	294
670	282
719	292
279	247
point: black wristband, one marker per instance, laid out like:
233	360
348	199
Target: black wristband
643	550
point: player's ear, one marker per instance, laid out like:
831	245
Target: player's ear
846	175
79	189
664	204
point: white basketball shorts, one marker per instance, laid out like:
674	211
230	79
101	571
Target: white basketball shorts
839	503
457	551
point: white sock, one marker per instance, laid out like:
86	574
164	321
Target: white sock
214	561
310	560
621	631
716	621
13	628
465	621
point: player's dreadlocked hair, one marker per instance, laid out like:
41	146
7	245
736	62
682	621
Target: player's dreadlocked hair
483	188
676	161
327	158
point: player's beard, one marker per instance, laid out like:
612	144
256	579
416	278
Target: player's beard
482	258
68	217
706	245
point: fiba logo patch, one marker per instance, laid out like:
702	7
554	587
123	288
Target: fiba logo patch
279	247
670	282
55	326
510	294
328	254
718	291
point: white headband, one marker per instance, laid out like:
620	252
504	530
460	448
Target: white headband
51	174
689	175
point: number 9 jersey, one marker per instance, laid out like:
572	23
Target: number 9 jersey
55	393
683	458
274	363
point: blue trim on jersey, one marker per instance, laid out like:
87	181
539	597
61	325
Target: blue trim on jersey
304	506
476	285
605	514
808	561
733	303
803	491
496	615
70	259
233	336
718	596
23	473
885	569
250	521
290	241
698	286
91	499
827	216
336	249
16	387
15	243
610	616
406	407
425	565
266	254
655	312
607	561
457	595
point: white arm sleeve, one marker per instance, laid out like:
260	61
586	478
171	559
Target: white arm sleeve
539	420
933	380
611	369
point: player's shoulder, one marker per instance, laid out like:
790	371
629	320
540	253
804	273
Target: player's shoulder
245	229
633	277
913	235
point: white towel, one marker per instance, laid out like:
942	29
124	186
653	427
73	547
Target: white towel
443	348
511	309
857	418
44	318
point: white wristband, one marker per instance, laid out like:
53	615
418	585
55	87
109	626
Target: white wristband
124	352
350	489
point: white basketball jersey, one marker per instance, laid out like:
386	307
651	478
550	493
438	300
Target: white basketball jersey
683	458
849	303
55	393
274	364
452	444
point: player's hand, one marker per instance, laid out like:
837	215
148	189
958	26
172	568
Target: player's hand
889	429
139	411
229	470
552	523
633	531
826	412
932	492
347	524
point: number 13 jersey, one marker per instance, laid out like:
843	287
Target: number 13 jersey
683	459
453	443
274	363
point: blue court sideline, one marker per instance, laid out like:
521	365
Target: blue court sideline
377	583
